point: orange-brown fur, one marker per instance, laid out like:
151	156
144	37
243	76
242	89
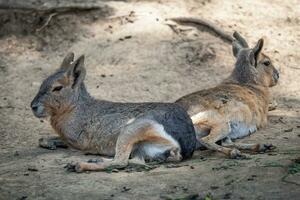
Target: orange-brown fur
225	98
240	101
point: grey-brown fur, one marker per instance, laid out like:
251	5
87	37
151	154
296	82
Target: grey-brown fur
109	128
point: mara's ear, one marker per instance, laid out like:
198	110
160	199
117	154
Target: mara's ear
67	61
236	47
254	54
77	72
238	43
240	39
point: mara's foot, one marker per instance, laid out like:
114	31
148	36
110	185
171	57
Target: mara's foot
99	166
174	156
51	143
236	154
262	148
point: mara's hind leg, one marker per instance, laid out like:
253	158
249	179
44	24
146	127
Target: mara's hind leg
217	133
201	130
247	147
138	131
135	160
52	143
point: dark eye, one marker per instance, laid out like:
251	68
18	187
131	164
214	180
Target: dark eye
56	89
267	62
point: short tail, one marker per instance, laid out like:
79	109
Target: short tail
195	22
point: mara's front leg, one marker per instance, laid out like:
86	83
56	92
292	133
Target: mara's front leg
256	147
139	131
52	143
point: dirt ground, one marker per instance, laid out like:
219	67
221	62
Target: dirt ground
132	55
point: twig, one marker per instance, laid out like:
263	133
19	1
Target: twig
173	28
131	14
283	179
47	22
58	9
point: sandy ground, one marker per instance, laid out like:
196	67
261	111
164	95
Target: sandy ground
137	57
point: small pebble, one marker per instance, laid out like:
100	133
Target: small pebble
125	189
115	170
288	130
128	37
32	169
227	196
213	187
22	198
173	166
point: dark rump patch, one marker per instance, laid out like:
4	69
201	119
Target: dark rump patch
178	124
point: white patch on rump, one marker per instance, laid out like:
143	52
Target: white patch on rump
154	149
240	130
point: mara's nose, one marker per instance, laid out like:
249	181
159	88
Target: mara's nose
34	108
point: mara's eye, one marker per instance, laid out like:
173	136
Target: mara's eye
56	89
267	62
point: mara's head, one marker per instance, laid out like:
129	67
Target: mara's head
61	89
252	66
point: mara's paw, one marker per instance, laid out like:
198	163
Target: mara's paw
70	167
262	148
236	154
174	156
47	144
78	168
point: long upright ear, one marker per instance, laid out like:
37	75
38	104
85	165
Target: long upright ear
77	72
240	39
236	47
238	43
254	54
67	61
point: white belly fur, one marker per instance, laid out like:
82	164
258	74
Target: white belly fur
240	130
